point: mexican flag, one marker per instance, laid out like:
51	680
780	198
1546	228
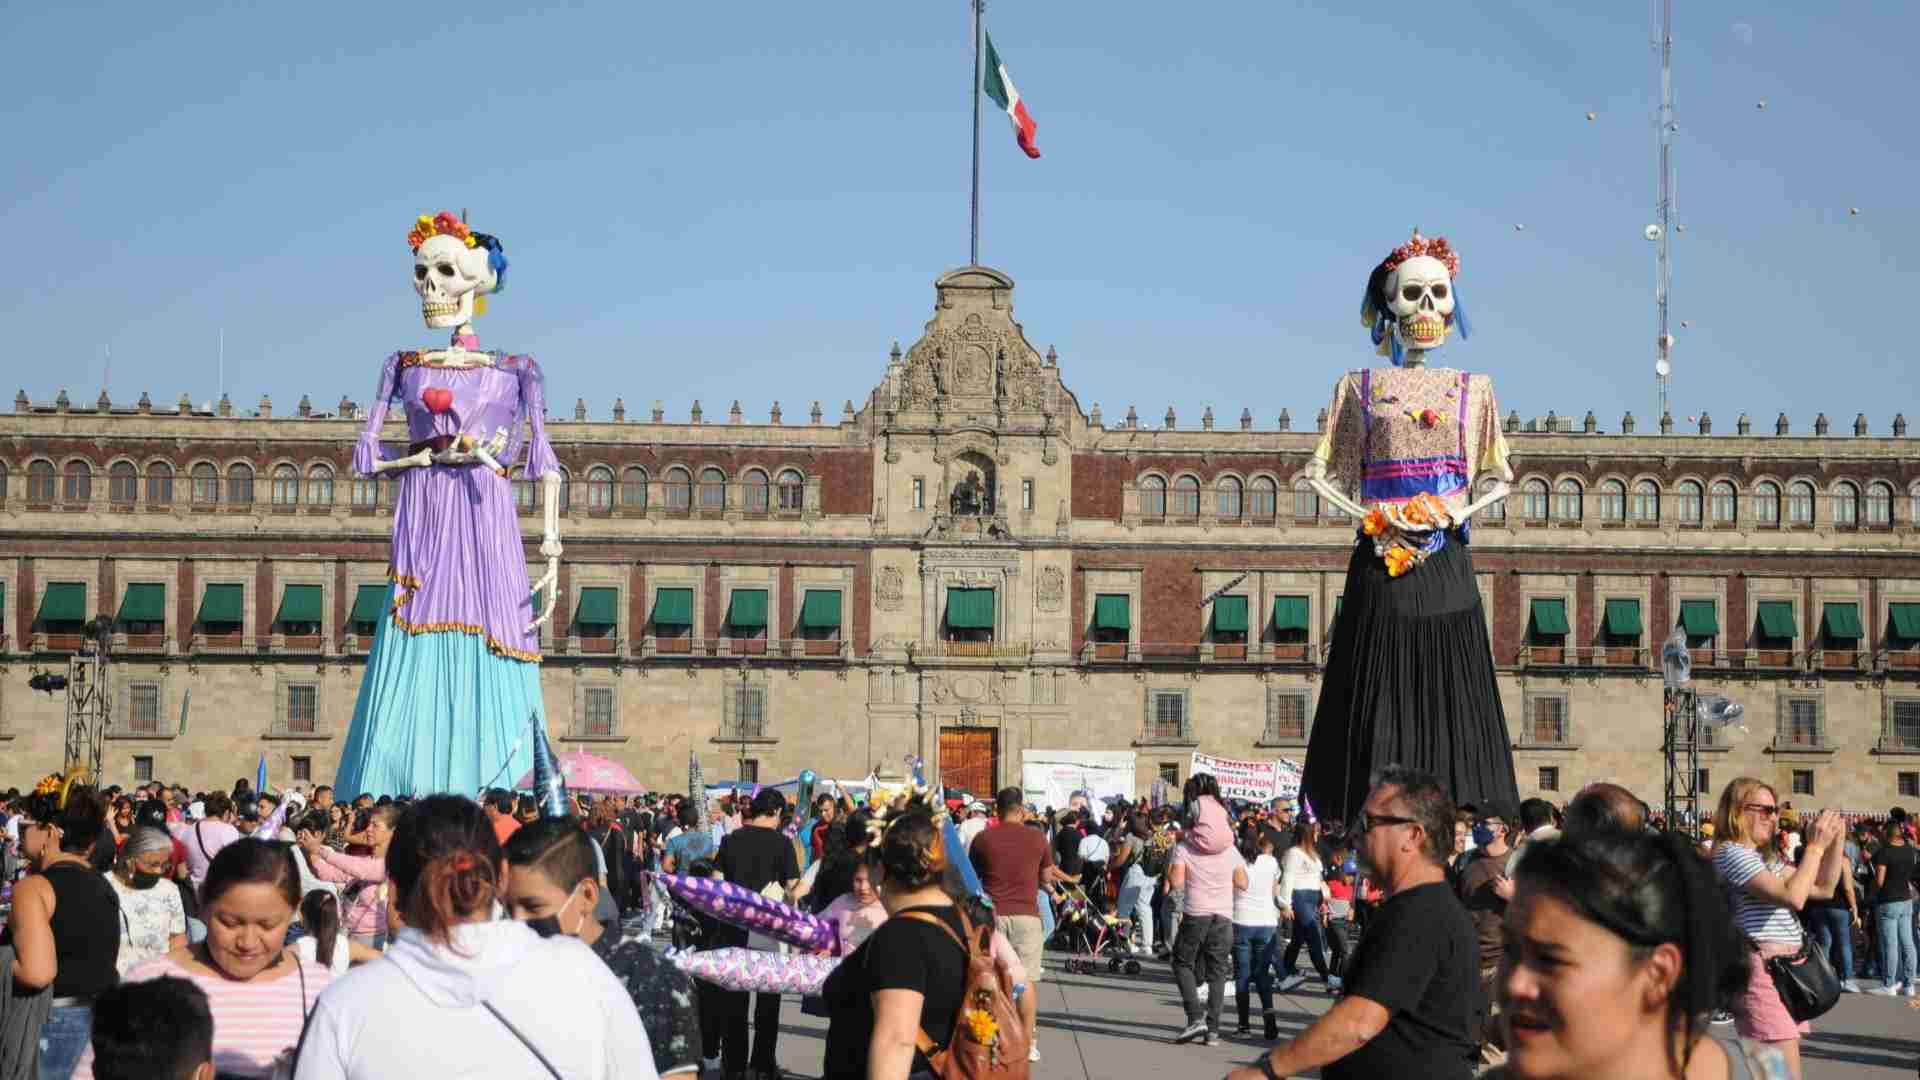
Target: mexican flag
999	87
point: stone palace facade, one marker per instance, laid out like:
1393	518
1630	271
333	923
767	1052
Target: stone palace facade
967	566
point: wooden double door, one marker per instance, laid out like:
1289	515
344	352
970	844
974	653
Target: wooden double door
970	760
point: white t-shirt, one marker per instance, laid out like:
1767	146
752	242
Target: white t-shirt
309	949
1094	848
148	918
1255	906
1302	872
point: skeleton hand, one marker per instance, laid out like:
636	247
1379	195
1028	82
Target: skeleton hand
546	587
412	461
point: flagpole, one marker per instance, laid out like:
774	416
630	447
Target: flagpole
973	251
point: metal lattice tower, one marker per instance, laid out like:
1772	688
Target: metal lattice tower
1662	230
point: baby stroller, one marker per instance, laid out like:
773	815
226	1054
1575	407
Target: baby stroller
1090	934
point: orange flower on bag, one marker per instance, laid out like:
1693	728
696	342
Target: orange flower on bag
1375	523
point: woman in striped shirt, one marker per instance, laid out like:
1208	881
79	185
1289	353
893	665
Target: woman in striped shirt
260	991
1767	897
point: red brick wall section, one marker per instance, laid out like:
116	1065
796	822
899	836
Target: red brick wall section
23	599
784	619
715	613
1170	599
1097	480
1661	615
1591	613
264	598
1810	619
846	481
340	603
105	605
1509	621
1078	609
1733	633
183	601
1872	616
636	605
862	603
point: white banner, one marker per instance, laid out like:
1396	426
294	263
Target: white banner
1051	777
1255	781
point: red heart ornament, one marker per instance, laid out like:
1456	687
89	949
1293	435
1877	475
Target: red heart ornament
437	399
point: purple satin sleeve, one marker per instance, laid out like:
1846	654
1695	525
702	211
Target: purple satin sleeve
533	401
368	451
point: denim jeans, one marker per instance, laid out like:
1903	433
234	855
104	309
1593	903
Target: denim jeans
63	1040
1833	930
1253	948
1897	957
1306	931
1136	903
1203	949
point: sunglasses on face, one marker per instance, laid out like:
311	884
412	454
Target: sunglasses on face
1763	809
1368	821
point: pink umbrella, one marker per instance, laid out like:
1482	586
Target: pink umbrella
592	773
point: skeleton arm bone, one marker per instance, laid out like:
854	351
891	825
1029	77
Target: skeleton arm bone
1317	479
412	461
550	547
1500	490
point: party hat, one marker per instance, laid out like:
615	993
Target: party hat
549	786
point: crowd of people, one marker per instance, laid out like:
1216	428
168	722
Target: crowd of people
288	934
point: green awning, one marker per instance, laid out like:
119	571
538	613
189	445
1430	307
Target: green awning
673	607
539	602
1230	614
1111	612
1904	617
820	610
1698	618
145	602
223	604
1623	618
1338	603
1842	622
970	609
299	604
747	610
598	607
369	601
1776	619
64	601
1289	613
1549	616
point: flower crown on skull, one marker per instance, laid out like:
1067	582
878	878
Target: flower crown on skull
1418	312
440	224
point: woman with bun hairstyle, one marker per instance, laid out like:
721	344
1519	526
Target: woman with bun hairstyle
461	991
1618	947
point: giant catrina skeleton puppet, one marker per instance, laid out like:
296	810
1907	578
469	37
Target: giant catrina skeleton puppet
1411	679
454	672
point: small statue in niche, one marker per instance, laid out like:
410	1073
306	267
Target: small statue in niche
970	497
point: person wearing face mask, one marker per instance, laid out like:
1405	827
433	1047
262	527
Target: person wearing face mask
259	991
1617	947
552	887
153	922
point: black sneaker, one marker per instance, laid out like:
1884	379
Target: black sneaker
1195	1030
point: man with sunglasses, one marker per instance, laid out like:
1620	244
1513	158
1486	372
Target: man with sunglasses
1411	999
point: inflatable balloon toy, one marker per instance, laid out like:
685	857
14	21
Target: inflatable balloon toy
750	911
759	972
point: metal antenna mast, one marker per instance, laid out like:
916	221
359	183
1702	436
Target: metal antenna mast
1661	232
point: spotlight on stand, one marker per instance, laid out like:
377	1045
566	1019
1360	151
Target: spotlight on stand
47	682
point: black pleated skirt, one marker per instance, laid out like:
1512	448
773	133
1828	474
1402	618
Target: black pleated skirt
1410	682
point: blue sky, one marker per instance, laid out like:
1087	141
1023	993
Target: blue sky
751	200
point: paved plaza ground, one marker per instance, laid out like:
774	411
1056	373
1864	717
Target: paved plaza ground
1098	1026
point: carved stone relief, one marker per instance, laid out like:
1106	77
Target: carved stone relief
1053	589
891	590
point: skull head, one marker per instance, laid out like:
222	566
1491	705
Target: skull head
1419	292
449	275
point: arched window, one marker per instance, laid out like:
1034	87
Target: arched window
1913	505
320	486
3	481
1846	504
387	491
1799	503
366	492
1153	497
1724	502
755	491
679	489
1533	500
1645	506
79	485
1613	502
1566	500
525	498
1229	492
1186	497
1766	503
1691	502
1262	499
633	488
206	485
566	490
240	485
793	492
40	483
1879	504
286	486
123	483
1497	509
159	484
713	489
599	489
1306	501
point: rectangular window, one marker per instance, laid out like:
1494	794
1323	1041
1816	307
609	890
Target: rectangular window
970	616
1903	723
820	616
597	618
1622	623
1803	782
1908	785
143	708
746	711
1703	781
1167	715
142	769
302	709
750	770
1170	772
1229	627
1547	720
1112	625
597	702
1701	622
1547	623
1799	723
919	493
1286	717
1026	496
1549	778
302	768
